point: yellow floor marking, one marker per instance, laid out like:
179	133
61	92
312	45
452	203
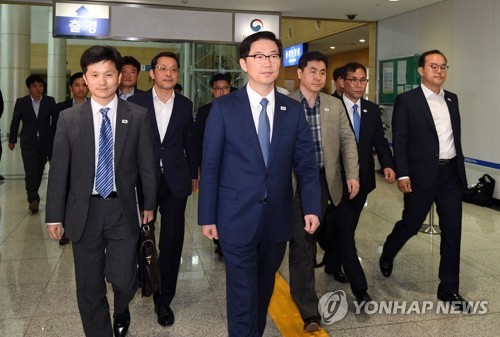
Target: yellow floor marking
285	314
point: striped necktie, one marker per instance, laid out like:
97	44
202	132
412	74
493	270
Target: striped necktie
104	175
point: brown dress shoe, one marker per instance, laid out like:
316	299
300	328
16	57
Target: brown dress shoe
33	206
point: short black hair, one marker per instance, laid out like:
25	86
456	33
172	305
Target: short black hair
154	61
312	56
220	77
246	44
421	59
74	77
351	67
337	73
177	86
97	53
130	60
34	78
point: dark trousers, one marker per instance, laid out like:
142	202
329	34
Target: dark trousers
34	160
250	276
446	194
171	241
106	251
344	252
302	253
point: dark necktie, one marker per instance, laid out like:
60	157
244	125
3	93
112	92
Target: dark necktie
104	176
264	130
356	120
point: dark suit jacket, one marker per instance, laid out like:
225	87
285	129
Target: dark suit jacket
72	170
136	91
33	126
336	94
178	149
199	127
371	136
234	175
415	139
1	103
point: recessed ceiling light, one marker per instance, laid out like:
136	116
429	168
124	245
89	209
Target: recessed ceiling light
332	47
393	0
362	40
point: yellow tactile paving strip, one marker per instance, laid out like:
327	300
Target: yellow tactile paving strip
285	314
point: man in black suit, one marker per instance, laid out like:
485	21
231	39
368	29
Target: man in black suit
101	147
128	84
220	86
35	111
1	113
430	168
171	117
364	117
79	91
337	78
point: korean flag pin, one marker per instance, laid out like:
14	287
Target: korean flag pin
124	121
449	99
365	111
283	108
327	109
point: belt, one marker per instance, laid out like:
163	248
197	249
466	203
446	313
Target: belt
445	161
112	195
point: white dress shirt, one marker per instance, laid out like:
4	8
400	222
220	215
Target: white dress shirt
256	107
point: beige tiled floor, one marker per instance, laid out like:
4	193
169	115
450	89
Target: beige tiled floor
37	290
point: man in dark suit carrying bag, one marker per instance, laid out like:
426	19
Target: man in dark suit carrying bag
430	169
100	149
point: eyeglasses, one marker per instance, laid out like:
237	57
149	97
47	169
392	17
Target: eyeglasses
444	68
260	58
356	81
164	69
221	88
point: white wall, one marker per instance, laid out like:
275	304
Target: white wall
468	33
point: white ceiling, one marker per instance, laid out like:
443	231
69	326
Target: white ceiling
365	10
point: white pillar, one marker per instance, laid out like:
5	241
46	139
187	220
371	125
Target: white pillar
56	64
15	61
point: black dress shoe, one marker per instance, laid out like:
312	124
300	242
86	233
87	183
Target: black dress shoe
64	240
165	315
455	299
33	207
362	298
385	266
312	324
338	276
121	324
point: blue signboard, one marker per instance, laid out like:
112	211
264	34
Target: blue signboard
81	20
291	55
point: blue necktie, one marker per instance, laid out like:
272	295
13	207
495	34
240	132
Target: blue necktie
104	175
356	119
264	130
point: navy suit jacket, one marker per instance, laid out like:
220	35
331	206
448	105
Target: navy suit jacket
371	136
235	180
415	139
33	126
178	149
199	127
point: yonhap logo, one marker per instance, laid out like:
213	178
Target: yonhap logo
333	307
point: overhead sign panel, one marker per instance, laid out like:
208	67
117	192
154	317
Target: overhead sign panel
246	24
81	20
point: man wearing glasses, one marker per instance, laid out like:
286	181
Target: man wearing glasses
171	117
430	169
364	118
254	137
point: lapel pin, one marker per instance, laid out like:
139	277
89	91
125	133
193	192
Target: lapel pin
283	108
364	110
449	99
327	109
124	121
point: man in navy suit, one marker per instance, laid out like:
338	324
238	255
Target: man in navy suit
36	112
365	121
254	138
171	117
430	169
